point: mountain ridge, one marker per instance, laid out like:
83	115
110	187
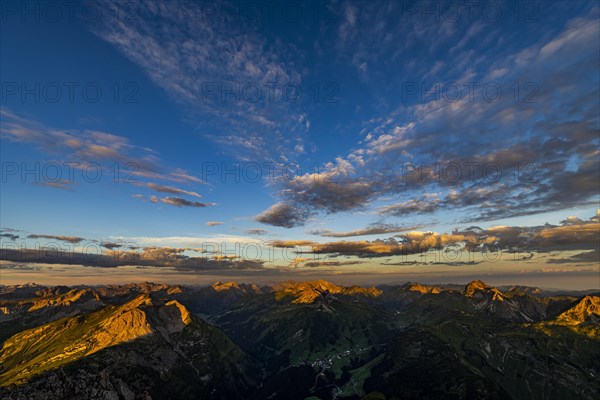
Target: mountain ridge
333	341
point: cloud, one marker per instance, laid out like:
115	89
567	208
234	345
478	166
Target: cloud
572	220
582	235
83	148
410	155
111	245
20	267
374	229
57	184
331	190
173	201
214	223
411	207
288	244
170	189
584	257
314	264
214	243
466	197
376	248
282	214
297	260
534	242
256	232
158	257
577	236
179	202
69	239
225	257
10	236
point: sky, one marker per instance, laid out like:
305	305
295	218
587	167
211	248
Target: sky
360	142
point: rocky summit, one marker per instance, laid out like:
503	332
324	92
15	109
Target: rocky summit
309	292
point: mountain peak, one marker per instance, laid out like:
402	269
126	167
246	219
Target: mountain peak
475	286
585	310
308	292
29	285
174	316
478	288
423	289
519	289
325	285
218	286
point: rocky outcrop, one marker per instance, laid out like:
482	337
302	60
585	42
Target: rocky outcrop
586	310
66	299
423	289
490	300
478	290
309	292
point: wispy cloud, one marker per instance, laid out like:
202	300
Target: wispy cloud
216	80
173	201
179	202
58	184
81	147
256	232
85	148
375	229
315	264
10	236
69	239
170	189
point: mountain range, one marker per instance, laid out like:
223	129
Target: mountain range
298	340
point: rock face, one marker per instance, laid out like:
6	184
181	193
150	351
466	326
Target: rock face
490	300
423	289
67	299
585	310
19	291
308	292
218	286
26	309
582	317
478	290
236	287
71	339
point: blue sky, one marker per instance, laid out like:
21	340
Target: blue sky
389	117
